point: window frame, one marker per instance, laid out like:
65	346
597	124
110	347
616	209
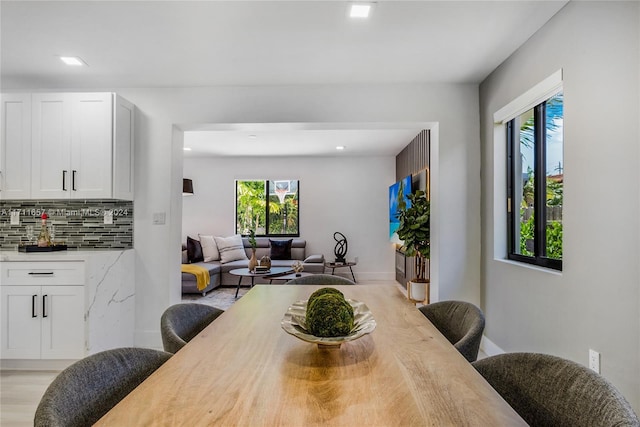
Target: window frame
540	186
267	202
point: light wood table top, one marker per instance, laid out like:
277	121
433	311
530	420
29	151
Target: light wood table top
243	369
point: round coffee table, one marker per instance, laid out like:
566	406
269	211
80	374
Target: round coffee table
272	273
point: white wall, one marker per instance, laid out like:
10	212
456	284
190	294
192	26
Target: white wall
347	194
594	302
456	202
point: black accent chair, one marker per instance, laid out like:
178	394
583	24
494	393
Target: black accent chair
547	390
320	279
82	393
462	323
181	322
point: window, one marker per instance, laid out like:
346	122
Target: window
270	208
535	178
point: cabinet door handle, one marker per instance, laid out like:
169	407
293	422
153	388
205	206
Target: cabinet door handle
73	180
64	180
44	305
41	273
33	306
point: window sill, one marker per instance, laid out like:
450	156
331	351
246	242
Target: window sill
530	266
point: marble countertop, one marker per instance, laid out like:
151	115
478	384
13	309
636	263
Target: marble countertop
68	255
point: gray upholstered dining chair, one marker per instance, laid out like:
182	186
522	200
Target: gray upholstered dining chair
181	322
320	279
548	390
462	323
83	392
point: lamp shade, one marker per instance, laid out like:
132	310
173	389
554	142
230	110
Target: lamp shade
187	187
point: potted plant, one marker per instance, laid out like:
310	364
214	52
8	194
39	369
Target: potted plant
414	231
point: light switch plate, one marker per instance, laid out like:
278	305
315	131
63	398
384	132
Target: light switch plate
15	217
108	217
159	218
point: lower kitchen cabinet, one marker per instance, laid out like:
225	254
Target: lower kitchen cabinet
62	306
42	310
42	322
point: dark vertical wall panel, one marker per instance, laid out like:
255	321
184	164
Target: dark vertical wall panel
414	158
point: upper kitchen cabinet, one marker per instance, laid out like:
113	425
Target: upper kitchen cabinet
81	147
15	148
123	114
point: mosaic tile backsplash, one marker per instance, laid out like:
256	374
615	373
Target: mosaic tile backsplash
78	223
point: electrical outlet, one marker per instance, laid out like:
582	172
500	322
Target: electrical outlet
15	217
594	361
108	217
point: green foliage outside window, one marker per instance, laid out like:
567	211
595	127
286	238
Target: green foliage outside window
554	238
554	227
250	206
283	217
267	216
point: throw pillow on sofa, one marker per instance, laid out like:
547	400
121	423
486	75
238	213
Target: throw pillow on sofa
209	248
230	248
280	249
194	250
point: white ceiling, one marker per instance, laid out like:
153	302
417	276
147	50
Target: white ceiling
302	139
209	43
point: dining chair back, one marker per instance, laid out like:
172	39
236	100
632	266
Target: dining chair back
462	323
83	392
547	390
181	322
320	279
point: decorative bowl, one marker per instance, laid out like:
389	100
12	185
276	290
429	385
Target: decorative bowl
294	323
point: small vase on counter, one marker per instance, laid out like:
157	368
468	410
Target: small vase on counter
44	238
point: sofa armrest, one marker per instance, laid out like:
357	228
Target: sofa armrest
314	259
185	256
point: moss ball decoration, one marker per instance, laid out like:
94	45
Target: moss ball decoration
330	315
323	291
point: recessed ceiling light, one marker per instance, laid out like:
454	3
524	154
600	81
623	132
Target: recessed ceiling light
340	147
187	149
253	136
73	61
360	10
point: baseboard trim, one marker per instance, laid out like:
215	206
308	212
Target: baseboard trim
35	364
489	347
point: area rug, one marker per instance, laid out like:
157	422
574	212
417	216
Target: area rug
221	298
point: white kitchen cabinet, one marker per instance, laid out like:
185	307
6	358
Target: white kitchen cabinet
42	310
79	146
15	147
72	145
123	128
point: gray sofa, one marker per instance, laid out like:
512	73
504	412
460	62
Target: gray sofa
220	275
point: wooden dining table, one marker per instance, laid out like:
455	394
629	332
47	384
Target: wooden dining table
245	370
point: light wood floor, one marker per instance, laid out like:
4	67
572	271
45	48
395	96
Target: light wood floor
20	393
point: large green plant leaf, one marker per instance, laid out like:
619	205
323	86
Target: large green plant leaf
414	228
